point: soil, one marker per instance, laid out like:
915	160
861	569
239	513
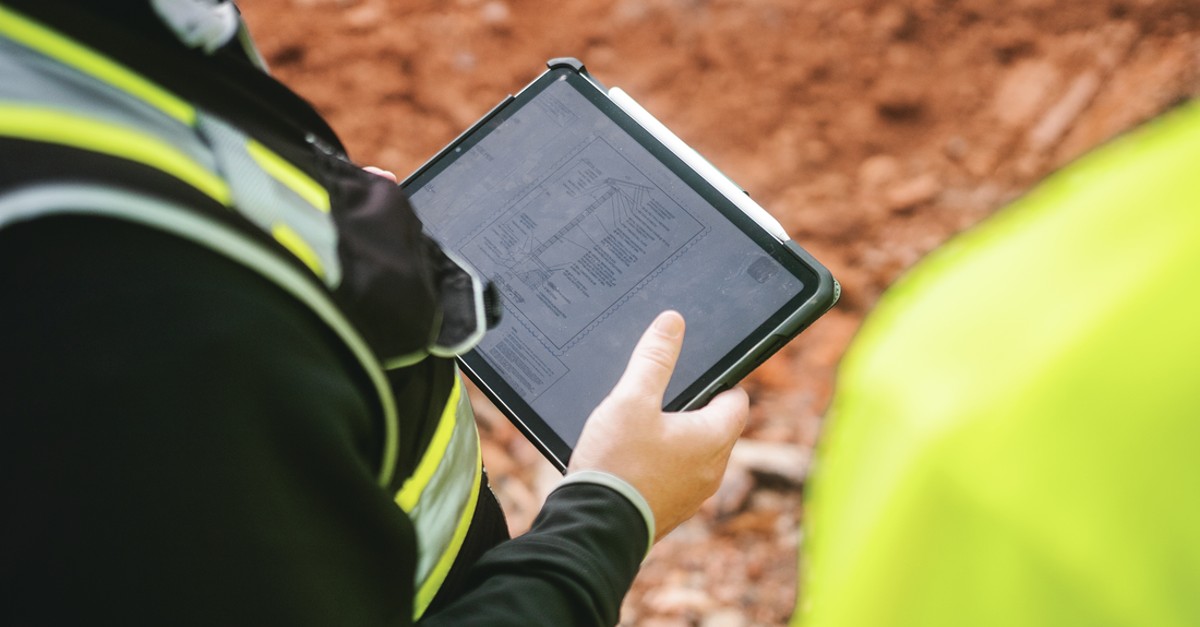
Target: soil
873	130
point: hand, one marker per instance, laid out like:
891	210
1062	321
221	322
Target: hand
675	460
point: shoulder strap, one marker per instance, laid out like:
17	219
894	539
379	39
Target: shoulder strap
55	91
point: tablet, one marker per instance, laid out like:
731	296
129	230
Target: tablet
590	217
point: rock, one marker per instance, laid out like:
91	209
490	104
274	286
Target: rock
495	13
733	493
786	462
679	599
366	16
1058	118
1023	91
726	617
913	192
878	171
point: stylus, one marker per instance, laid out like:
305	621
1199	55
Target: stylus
698	163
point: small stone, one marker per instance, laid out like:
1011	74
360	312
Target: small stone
1063	114
495	13
1023	91
464	61
676	600
733	493
878	171
366	16
726	617
914	192
777	460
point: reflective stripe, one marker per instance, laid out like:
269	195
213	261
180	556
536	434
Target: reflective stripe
432	583
32	34
410	493
31	78
46	74
68	129
293	242
451	469
307	229
289	175
61	199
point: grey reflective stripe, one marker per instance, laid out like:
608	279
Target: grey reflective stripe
29	77
264	200
61	199
450	472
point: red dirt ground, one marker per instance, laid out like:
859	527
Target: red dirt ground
873	130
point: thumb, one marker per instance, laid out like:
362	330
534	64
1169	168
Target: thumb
654	358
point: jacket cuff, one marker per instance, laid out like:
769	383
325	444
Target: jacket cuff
622	487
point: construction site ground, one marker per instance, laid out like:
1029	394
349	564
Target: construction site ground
873	130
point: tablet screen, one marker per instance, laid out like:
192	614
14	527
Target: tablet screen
588	235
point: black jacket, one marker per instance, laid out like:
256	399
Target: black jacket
184	443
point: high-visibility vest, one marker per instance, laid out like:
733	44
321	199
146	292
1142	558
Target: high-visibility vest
1013	439
253	206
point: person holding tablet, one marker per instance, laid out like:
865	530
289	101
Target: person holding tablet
226	391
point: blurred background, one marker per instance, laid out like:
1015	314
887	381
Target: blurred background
872	130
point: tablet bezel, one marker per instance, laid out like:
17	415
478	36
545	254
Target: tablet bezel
818	294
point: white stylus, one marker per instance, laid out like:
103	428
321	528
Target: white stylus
698	163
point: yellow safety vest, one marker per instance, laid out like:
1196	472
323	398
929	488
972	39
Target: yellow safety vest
56	90
1013	440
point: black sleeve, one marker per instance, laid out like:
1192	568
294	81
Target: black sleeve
573	567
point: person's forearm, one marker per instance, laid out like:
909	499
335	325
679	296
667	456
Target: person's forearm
572	568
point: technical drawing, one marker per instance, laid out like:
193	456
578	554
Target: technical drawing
582	239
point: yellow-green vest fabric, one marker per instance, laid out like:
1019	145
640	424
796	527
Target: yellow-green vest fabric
1013	439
